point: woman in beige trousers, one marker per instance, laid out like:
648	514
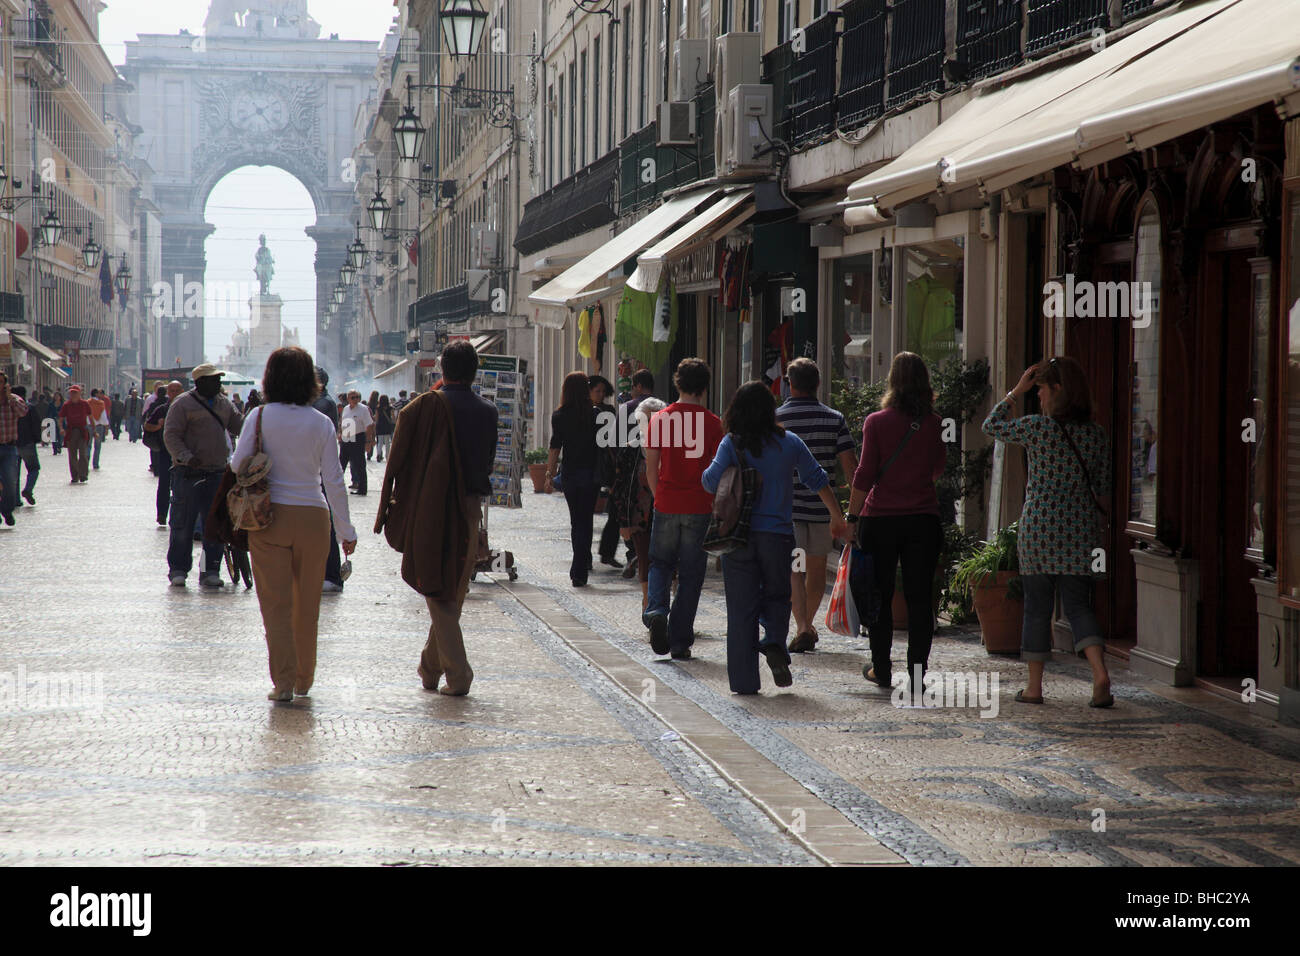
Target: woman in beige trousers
289	555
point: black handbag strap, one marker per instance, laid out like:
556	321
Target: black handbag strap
204	406
1083	467
912	429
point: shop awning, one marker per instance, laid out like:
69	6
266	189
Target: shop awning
1037	118
719	219
568	287
486	341
393	369
31	345
54	368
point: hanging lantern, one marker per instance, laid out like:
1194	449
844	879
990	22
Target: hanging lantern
378	210
123	278
91	251
51	229
409	134
462	26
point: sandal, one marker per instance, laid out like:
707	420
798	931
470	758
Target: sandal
1024	698
1102	698
869	673
804	641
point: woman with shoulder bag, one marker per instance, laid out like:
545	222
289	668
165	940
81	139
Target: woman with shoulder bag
573	433
385	422
757	575
1069	473
631	498
289	554
896	505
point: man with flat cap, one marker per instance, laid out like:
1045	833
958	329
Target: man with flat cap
195	437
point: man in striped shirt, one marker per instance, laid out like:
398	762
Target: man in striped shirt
827	436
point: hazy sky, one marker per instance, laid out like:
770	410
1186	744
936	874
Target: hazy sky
253	199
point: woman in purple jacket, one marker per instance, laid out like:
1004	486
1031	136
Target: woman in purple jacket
898	512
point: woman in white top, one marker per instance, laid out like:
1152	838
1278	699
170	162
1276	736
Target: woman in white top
289	555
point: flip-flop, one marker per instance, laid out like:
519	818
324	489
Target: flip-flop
1024	698
1107	701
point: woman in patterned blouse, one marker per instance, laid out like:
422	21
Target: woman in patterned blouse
1059	528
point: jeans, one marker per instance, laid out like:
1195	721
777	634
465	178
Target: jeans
9	477
757	579
675	545
333	561
162	468
354	453
32	460
192	494
1076	600
914	541
609	537
133	429
382	444
580	492
101	432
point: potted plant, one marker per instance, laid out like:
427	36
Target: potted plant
991	577
536	461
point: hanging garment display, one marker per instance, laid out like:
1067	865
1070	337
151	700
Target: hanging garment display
598	327
584	333
931	319
665	311
634	328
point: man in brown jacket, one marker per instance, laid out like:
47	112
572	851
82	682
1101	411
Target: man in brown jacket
425	514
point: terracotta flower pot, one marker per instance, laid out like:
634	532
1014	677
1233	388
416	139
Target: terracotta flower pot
537	472
1000	616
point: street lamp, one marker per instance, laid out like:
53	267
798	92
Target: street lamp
51	228
123	278
339	294
348	273
357	251
378	209
462	25
407	131
91	251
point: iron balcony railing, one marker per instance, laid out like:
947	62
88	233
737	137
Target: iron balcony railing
40	32
916	48
988	36
861	96
1055	23
646	171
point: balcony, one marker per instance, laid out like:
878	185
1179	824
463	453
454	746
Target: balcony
11	308
41	33
916	49
803	84
669	167
1054	23
861	96
576	205
388	343
988	36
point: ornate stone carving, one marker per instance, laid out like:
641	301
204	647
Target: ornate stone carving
286	127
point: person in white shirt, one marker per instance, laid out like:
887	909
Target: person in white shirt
289	555
356	437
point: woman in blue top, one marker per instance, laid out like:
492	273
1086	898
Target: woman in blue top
757	576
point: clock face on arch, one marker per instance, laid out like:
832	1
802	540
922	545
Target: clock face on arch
258	111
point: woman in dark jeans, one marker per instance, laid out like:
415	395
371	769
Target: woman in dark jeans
900	520
1069	468
573	433
384	425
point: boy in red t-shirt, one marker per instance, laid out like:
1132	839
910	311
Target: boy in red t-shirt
77	419
682	442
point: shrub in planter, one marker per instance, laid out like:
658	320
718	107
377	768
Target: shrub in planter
536	461
991	578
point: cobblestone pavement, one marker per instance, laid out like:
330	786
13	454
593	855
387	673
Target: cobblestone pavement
553	758
187	762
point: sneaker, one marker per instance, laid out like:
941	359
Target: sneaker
211	581
780	666
359	494
178	580
281	696
30	499
345	570
659	633
682	655
329	587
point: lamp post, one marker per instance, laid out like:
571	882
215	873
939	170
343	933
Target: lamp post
462	23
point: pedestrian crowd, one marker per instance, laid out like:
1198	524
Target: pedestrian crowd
260	481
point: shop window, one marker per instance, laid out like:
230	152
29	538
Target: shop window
1290	570
1146	374
1259	488
932	299
851	311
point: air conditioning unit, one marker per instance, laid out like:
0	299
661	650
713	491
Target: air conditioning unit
483	251
676	126
690	68
738	61
429	341
748	122
479	284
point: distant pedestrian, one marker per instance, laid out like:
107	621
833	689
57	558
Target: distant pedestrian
195	435
237	402
134	415
632	500
757	576
56	408
445	478
325	404
638	562
99	406
289	556
78	430
356	437
161	459
1069	470
372	404
29	436
116	415
602	399
12	409
573	448
401	402
254	399
827	436
682	441
384	424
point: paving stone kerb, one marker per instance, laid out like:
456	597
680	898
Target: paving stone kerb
184	761
1170	776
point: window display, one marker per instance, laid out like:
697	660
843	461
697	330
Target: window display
932	287
1146	375
851	309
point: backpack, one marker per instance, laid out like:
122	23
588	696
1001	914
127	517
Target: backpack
733	508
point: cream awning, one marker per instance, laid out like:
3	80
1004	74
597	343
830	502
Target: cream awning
31	345
393	369
54	368
568	287
719	219
486	341
1036	120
